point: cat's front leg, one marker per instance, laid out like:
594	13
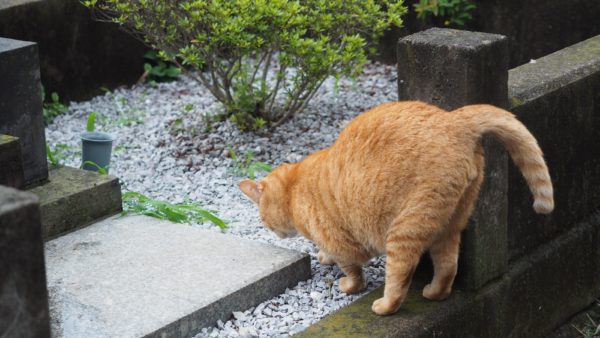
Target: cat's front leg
324	258
354	281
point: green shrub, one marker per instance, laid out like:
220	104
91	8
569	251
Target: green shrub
52	108
245	166
452	12
263	59
156	70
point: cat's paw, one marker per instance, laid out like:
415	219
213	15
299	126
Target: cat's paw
435	294
350	286
324	258
383	306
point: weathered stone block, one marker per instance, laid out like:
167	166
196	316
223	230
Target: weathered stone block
11	170
451	69
558	99
74	198
21	104
23	294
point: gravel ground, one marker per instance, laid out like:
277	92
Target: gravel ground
167	149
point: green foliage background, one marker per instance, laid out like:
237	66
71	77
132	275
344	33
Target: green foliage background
263	59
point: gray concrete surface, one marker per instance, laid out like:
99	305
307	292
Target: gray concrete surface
138	276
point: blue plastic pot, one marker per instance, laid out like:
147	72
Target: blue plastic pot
96	148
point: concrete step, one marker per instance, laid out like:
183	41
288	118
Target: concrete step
73	198
138	276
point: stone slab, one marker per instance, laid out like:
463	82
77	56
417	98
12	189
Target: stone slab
21	104
538	293
23	294
139	276
11	170
73	198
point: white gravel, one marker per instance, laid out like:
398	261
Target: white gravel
165	149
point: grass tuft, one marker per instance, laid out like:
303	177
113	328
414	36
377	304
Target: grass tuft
245	167
135	203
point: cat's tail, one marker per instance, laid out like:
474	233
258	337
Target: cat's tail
522	147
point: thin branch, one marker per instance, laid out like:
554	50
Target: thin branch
294	110
282	71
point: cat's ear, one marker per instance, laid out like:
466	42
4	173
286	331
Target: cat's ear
252	189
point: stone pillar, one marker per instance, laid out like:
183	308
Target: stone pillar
21	104
450	69
11	170
23	293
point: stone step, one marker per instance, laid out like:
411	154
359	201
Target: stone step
138	276
73	198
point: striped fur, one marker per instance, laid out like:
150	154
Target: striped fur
401	179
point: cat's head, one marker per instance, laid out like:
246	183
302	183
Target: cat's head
271	196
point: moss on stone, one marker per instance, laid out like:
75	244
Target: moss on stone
73	198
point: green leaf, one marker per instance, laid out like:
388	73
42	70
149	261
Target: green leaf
50	155
91	122
101	170
135	203
173	72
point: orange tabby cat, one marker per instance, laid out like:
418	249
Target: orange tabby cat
401	179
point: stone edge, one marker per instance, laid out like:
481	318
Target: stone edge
64	207
523	86
263	289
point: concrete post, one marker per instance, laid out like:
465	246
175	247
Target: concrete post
11	170
452	68
23	293
21	104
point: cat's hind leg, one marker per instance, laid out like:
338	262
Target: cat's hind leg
412	232
444	255
444	251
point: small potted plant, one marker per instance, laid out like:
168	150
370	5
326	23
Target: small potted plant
96	148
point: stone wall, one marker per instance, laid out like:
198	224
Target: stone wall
534	28
558	99
23	293
77	54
